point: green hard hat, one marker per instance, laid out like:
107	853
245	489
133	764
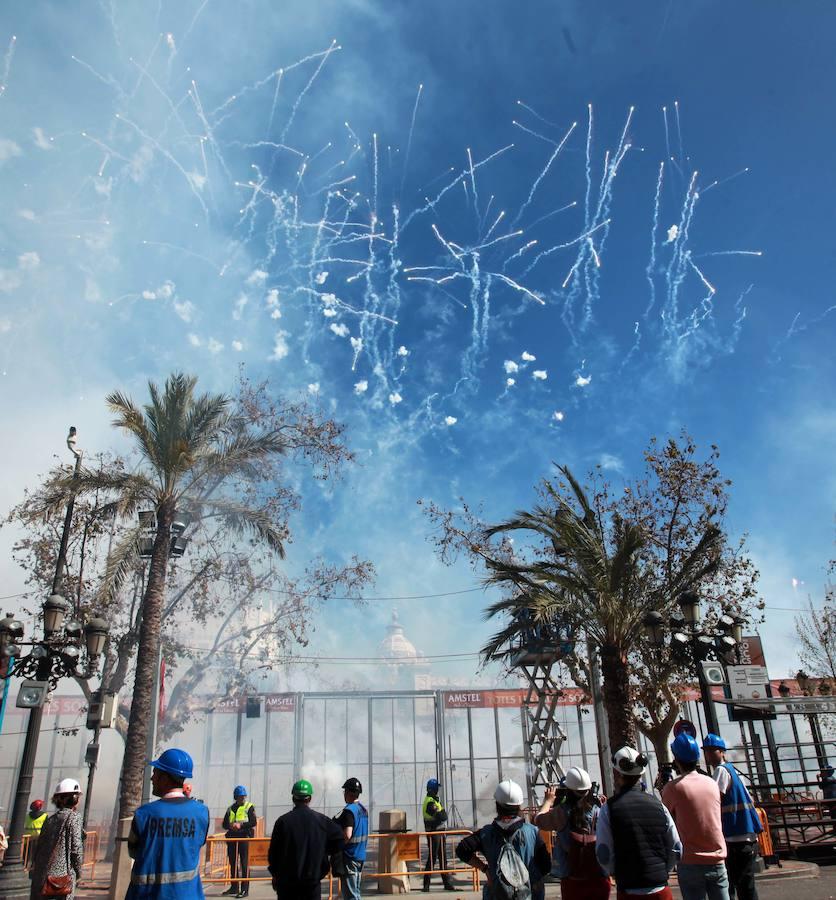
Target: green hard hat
302	789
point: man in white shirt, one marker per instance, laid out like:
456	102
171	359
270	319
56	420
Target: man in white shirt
741	822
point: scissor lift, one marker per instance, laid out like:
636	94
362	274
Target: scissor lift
540	649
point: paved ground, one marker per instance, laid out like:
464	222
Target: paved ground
793	882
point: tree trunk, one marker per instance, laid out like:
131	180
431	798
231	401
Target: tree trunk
660	738
134	762
616	684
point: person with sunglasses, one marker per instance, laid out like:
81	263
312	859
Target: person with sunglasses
636	839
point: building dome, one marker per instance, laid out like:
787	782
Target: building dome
396	646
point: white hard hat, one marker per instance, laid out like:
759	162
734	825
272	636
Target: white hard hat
629	761
68	786
577	779
508	793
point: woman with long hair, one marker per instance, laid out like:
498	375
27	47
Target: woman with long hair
56	867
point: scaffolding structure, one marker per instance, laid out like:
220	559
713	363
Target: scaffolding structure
540	648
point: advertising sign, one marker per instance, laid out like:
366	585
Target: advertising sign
272	703
478	699
280	702
750	651
748	682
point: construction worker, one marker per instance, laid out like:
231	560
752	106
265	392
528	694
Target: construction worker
741	823
483	848
239	822
302	842
693	800
827	783
636	839
435	816
167	834
33	824
354	821
573	820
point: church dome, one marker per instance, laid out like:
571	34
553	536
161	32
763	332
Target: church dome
396	645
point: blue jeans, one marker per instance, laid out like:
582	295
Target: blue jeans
351	881
696	882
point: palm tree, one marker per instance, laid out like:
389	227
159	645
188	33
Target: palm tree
194	455
592	574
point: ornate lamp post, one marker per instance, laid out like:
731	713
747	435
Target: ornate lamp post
58	654
691	642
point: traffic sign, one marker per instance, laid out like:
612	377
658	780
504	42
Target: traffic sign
683	726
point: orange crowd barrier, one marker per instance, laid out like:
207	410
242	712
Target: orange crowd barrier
410	848
91	852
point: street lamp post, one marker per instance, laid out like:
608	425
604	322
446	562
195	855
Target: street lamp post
57	655
690	641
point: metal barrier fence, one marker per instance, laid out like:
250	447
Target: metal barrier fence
91	852
407	848
806	823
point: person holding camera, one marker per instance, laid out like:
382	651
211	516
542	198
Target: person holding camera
573	817
637	840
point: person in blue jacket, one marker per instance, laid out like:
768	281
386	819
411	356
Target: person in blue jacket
741	822
354	821
167	834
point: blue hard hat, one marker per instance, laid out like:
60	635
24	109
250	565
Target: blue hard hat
715	741
433	784
239	791
685	748
175	762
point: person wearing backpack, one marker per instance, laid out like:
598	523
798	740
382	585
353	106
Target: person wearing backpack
573	820
510	851
637	840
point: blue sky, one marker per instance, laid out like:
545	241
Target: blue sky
179	194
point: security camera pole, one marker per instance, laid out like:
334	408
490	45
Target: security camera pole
46	665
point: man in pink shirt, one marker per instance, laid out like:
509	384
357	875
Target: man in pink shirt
693	800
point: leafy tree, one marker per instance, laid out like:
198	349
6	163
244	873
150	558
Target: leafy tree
224	462
598	561
816	630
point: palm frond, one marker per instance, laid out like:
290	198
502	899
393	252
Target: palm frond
580	495
237	454
130	418
247	521
167	414
121	563
129	489
206	418
622	563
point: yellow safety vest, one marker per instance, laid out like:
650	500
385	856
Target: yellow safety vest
428	816
33	824
242	814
